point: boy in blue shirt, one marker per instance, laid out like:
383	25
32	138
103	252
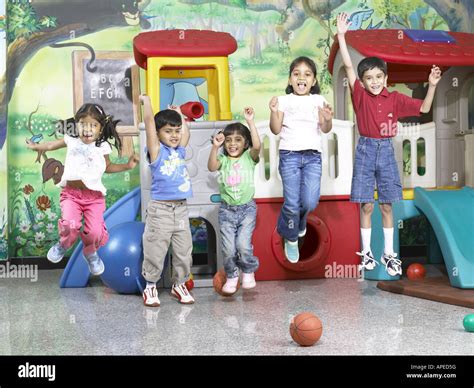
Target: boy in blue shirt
167	219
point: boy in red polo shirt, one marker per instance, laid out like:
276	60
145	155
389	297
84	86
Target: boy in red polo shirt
377	111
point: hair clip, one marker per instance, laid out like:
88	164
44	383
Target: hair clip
99	109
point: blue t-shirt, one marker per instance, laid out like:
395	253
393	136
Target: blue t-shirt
169	176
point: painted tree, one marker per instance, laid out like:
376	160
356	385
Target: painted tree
293	13
34	24
409	14
458	14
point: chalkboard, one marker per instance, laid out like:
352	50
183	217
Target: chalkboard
114	85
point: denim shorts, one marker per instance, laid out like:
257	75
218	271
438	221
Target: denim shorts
375	166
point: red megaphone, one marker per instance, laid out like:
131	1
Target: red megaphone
192	110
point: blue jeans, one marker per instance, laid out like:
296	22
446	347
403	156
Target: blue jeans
237	223
301	176
375	163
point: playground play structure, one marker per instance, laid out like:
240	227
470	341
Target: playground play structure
333	228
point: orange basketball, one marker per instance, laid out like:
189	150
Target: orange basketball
416	271
306	329
219	281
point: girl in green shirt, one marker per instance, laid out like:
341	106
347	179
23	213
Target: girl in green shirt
238	211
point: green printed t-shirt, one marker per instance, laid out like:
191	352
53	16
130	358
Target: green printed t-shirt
236	183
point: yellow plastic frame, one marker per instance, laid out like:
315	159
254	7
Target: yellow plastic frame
214	69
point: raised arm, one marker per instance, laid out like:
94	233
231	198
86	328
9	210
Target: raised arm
276	117
184	127
152	142
342	27
433	80
213	163
249	118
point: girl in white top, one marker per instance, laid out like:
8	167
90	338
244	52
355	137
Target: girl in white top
299	118
86	137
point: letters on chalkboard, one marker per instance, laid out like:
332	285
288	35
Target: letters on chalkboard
114	85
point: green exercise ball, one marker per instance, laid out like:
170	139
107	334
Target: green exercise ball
469	323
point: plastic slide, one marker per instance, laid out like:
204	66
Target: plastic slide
451	214
76	273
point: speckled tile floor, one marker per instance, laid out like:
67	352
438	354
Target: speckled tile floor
39	318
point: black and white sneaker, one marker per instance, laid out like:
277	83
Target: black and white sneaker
393	266
368	262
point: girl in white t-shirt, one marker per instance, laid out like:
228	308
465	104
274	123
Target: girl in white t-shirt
86	137
299	118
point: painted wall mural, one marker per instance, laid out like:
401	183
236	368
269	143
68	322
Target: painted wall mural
3	130
38	88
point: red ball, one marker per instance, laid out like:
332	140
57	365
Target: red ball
306	329
189	284
416	271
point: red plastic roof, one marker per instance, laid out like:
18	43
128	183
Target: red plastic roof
386	44
182	43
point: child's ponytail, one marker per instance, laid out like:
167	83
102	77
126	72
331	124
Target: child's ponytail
109	131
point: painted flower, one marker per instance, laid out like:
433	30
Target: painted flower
50	228
24	226
38	226
39	236
43	203
20	240
39	216
51	216
28	189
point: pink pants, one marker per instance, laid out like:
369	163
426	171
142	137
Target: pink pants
76	203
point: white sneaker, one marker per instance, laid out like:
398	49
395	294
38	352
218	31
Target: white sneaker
56	253
368	262
302	233
292	252
181	292
230	286
150	297
393	266
248	281
96	265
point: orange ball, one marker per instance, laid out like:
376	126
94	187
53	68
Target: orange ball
416	271
189	284
219	280
306	329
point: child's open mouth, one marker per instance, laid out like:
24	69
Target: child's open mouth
301	86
